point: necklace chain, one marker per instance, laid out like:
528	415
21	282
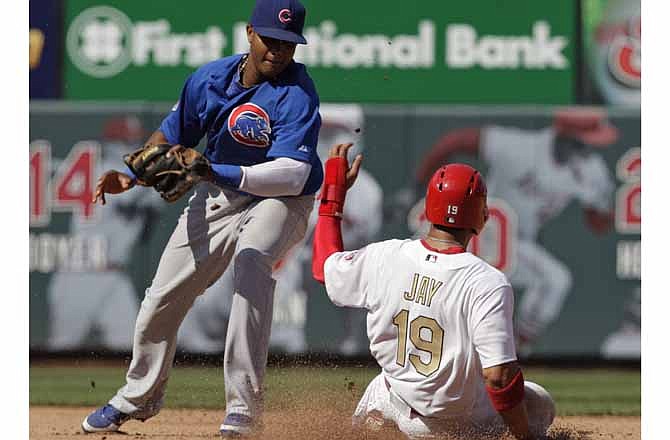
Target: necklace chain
441	240
240	70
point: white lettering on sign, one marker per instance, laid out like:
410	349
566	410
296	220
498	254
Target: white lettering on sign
466	49
327	48
629	260
58	252
102	42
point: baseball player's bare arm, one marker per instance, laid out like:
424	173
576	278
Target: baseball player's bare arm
157	137
465	140
117	182
338	179
505	386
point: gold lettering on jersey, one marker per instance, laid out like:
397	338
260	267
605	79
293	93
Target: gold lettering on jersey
434	287
409	296
423	290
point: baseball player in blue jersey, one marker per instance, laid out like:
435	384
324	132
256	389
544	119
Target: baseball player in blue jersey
260	113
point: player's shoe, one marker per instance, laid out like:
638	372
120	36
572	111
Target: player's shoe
105	419
236	425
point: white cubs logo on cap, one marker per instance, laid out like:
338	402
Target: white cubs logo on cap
249	124
285	16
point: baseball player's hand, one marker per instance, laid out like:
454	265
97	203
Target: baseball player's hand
341	150
112	182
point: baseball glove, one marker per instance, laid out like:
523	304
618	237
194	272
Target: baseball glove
172	176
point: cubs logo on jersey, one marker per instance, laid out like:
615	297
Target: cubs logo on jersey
249	125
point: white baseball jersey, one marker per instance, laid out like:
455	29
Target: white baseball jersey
434	319
524	173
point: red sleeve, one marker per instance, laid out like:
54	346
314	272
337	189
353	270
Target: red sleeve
327	241
327	234
599	222
465	140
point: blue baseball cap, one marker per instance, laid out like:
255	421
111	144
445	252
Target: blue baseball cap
280	19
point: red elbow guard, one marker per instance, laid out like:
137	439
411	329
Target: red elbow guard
508	397
334	187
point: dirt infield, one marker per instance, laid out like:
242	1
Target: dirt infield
63	423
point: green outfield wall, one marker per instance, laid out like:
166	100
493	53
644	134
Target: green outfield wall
89	263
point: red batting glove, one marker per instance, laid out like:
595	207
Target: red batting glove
334	187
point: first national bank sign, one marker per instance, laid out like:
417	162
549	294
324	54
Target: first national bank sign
105	42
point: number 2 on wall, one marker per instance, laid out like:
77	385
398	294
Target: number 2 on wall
433	346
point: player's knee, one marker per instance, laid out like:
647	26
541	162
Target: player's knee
253	272
252	261
540	407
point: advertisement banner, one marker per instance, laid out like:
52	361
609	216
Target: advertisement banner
564	192
88	264
564	225
519	52
613	45
45	19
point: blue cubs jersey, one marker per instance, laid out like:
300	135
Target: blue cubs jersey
248	126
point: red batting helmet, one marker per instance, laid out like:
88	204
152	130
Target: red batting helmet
456	197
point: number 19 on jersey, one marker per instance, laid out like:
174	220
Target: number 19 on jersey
431	345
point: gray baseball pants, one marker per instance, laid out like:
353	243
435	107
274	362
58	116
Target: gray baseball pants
218	226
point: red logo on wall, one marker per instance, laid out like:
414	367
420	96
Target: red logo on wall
624	58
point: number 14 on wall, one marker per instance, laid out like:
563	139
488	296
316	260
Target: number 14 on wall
72	186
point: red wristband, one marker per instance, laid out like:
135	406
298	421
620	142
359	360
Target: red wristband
508	397
334	187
